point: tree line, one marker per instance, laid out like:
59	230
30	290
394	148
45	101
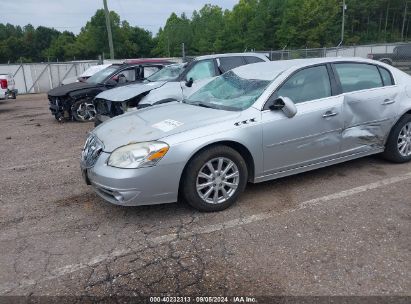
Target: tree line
250	25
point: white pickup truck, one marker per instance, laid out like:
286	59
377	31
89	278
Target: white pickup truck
7	87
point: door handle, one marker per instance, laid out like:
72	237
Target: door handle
388	102
329	114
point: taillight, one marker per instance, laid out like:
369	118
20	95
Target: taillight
3	83
370	56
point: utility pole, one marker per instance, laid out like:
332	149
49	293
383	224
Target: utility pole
404	19
344	7
108	25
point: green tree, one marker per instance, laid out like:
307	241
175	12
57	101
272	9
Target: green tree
207	25
309	23
176	31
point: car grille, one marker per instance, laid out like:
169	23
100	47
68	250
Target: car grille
91	151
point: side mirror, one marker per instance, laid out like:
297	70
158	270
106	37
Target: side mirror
189	83
284	104
111	83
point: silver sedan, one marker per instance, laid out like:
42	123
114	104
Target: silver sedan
252	124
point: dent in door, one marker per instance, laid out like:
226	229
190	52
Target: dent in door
364	124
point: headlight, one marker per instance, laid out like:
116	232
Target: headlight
138	155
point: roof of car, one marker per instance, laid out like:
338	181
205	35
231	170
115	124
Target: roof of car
259	55
270	70
147	60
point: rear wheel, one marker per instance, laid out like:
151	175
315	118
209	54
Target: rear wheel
398	147
83	110
214	179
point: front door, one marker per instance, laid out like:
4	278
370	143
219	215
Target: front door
201	73
314	134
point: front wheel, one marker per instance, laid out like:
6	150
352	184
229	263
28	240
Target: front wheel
398	147
214	179
83	110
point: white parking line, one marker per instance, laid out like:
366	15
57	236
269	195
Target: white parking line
205	230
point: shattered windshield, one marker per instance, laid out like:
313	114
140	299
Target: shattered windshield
101	76
229	92
168	73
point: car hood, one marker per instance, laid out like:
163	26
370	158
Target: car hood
129	91
71	87
157	122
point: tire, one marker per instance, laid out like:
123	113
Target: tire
228	189
59	117
83	110
398	147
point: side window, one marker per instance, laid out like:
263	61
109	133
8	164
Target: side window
386	77
229	63
251	59
308	84
150	70
358	76
127	75
202	70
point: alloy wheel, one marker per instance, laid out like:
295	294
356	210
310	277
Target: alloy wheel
86	111
404	140
217	180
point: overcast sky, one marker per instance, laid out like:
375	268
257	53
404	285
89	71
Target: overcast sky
71	15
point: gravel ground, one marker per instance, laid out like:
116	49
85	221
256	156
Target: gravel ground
343	230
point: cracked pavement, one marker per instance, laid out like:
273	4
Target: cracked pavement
58	238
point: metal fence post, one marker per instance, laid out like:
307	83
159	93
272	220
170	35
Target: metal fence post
68	71
24	77
51	77
58	71
38	78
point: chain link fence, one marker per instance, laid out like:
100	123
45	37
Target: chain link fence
396	54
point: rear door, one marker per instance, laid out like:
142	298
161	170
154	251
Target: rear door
369	108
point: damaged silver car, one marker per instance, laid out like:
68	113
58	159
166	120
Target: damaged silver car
173	83
252	124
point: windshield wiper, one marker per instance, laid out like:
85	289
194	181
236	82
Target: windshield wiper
196	103
204	105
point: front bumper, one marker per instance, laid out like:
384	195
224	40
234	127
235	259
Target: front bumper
55	105
134	187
